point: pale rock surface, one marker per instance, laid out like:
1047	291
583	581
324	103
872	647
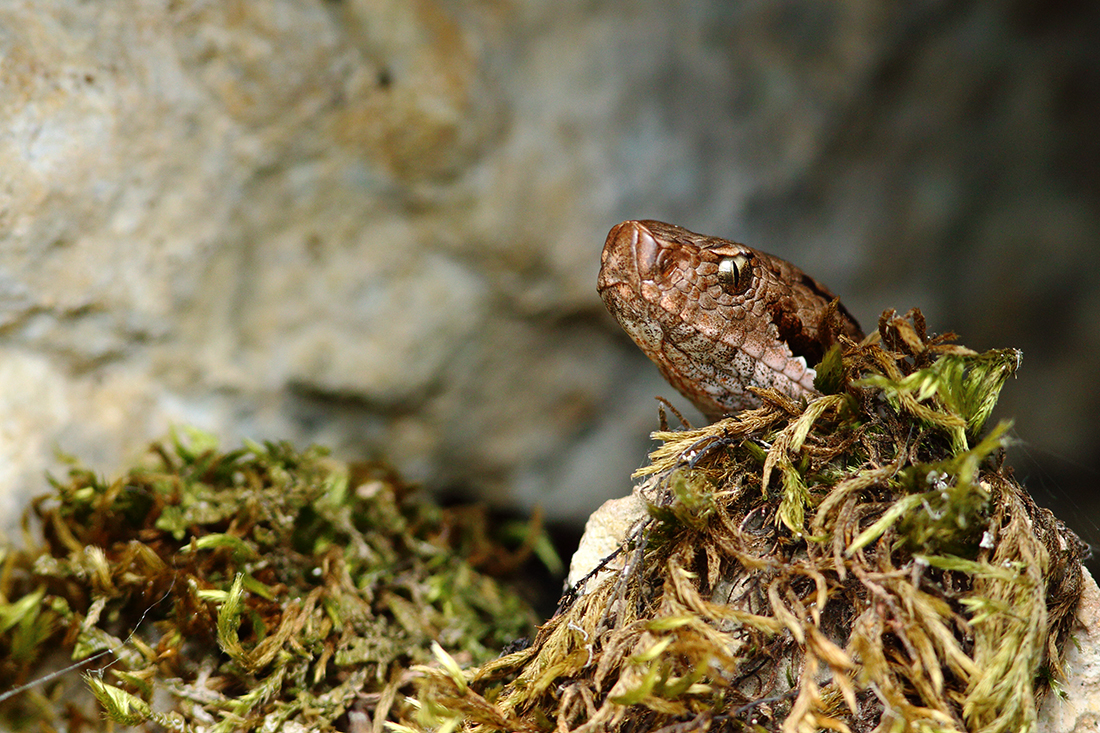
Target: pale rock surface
1079	710
376	224
604	532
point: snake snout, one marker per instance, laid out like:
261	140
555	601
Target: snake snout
646	249
631	247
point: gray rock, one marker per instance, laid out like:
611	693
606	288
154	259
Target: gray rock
377	224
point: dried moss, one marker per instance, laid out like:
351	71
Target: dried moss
862	562
256	589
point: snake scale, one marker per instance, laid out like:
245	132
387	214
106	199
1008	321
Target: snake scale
718	317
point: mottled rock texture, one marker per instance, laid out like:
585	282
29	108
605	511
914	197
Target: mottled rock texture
376	224
1078	711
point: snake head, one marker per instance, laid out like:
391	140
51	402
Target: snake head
716	316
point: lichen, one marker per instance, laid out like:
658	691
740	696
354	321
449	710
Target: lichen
860	562
256	589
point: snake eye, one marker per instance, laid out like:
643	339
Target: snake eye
734	273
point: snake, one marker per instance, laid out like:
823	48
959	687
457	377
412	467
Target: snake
719	318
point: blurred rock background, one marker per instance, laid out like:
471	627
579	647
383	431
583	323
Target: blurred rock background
376	224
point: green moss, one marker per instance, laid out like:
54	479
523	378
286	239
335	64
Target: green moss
240	590
861	562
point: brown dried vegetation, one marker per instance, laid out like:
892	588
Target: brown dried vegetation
863	562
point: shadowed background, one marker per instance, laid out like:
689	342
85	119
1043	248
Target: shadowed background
376	224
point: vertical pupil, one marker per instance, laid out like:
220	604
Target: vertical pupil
732	274
727	272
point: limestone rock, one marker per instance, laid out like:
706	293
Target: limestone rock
1079	710
377	224
603	534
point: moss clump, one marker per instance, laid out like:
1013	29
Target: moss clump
256	589
861	562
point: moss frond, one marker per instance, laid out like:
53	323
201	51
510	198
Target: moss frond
862	562
257	588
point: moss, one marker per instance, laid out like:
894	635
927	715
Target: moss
241	590
861	562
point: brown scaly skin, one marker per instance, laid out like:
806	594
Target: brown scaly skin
716	329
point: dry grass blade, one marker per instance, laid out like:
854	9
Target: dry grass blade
861	563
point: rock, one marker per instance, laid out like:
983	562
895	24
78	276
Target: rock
604	532
1079	710
377	224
